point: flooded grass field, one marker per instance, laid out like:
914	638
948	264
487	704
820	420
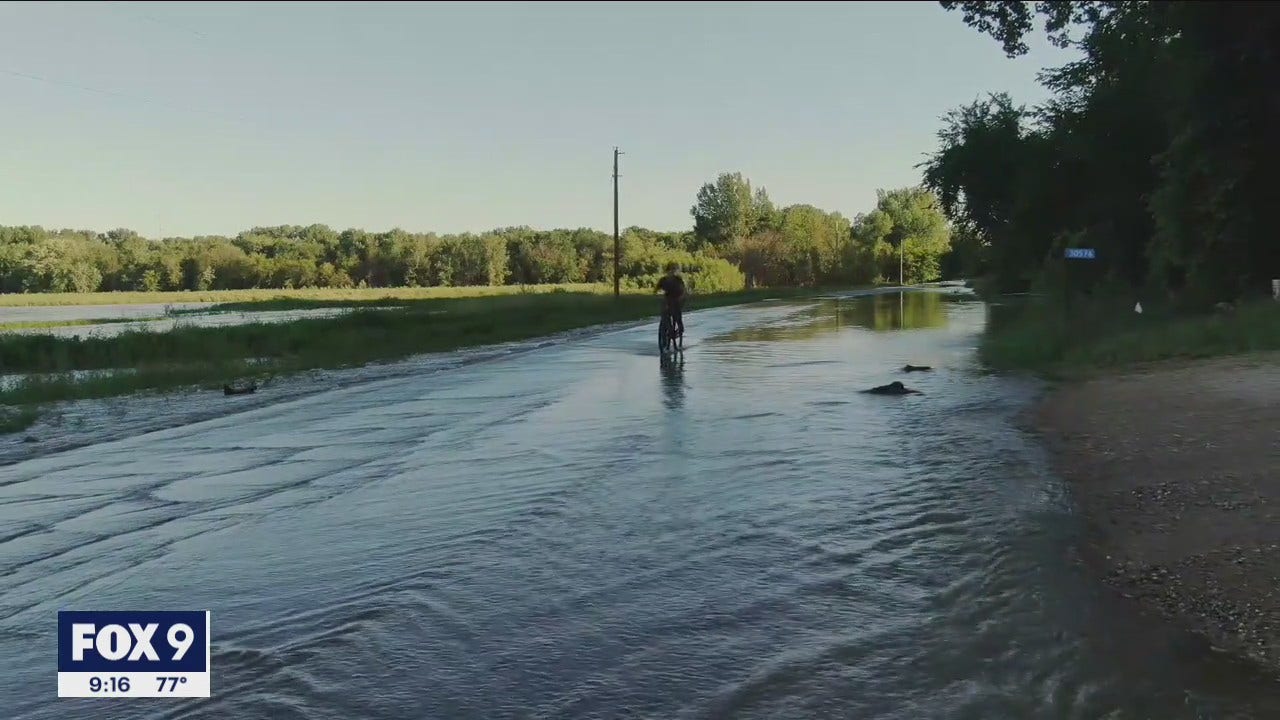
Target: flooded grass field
201	316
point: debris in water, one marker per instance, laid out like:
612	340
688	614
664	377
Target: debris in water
893	388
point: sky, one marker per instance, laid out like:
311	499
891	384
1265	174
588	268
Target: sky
179	119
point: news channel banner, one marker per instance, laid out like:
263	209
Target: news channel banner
133	653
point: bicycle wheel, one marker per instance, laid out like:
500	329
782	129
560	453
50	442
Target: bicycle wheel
664	333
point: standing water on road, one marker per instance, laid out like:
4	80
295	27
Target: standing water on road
586	531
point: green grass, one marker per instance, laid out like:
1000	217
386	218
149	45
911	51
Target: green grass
46	324
39	390
288	303
1040	336
258	295
209	356
17	419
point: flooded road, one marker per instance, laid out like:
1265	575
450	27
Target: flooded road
584	531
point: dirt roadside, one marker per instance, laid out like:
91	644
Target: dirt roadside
1176	470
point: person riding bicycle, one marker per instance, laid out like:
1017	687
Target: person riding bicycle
673	289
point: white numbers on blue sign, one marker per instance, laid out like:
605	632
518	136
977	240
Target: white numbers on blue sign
1079	253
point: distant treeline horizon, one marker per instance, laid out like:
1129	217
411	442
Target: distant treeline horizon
739	239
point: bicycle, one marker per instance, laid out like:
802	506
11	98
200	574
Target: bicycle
665	334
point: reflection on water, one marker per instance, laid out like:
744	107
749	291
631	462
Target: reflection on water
899	311
538	537
887	311
1005	312
673	386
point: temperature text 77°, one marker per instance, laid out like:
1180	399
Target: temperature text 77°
172	681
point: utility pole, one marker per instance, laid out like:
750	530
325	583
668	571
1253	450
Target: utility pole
617	280
902	318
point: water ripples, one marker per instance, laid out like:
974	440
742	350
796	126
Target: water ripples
575	533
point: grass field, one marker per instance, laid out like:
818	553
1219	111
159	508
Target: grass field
1102	334
16	419
327	294
47	324
207	357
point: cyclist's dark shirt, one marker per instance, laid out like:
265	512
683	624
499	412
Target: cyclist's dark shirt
673	287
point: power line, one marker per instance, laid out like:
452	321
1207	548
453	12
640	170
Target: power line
125	96
616	278
129	10
173	25
64	83
130	96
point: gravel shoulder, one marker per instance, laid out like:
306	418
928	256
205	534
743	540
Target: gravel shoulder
1176	470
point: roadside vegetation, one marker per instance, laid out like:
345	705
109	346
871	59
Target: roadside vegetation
49	324
1101	334
17	419
1157	150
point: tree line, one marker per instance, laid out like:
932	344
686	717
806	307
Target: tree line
1156	149
801	245
739	239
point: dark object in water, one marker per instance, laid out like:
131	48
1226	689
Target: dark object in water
893	388
228	390
916	368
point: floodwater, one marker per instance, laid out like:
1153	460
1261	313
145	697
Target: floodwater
65	313
585	531
154	324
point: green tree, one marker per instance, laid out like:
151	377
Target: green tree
1157	148
727	210
909	221
981	175
60	265
813	245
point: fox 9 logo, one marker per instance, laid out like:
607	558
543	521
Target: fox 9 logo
135	641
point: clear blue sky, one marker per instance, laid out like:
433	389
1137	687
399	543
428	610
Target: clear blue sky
193	118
